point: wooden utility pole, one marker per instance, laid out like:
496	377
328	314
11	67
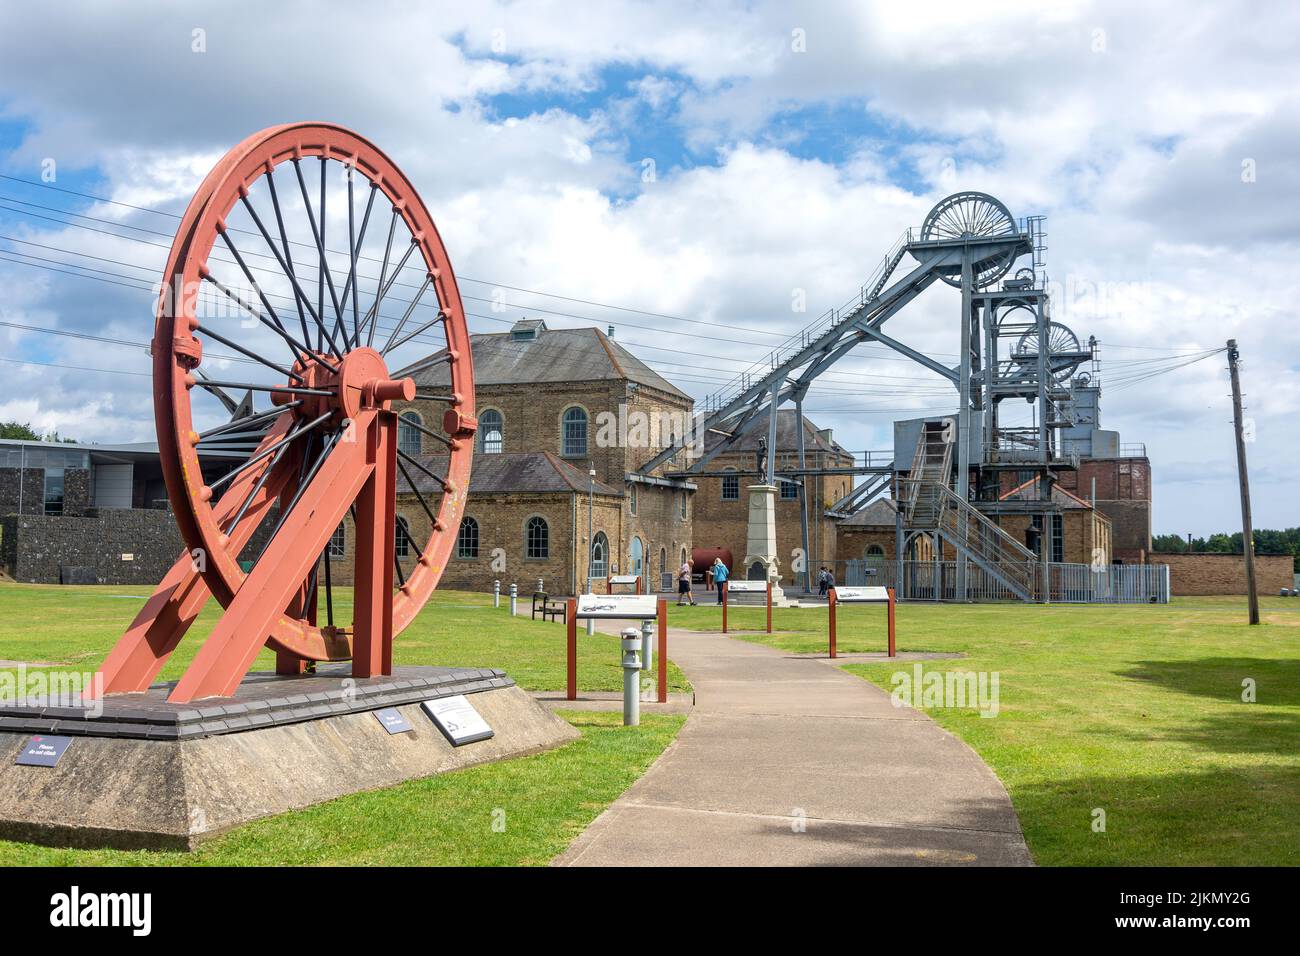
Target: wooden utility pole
1247	529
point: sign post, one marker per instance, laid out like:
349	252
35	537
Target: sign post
615	607
638	586
867	595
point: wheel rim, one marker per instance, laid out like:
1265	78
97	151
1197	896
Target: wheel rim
968	215
1060	340
313	302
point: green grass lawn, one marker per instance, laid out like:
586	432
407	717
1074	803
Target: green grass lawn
547	799
73	628
519	812
1136	710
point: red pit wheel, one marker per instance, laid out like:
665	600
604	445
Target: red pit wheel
256	278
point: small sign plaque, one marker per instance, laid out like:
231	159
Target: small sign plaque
639	606
623	579
393	720
43	751
747	587
861	595
456	717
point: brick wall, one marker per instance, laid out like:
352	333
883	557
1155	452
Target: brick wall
1205	573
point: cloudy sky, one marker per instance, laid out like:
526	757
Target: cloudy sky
689	172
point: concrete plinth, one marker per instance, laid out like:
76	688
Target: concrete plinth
147	774
760	542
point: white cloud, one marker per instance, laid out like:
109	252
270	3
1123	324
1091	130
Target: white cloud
1128	127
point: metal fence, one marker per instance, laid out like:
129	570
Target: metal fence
1067	583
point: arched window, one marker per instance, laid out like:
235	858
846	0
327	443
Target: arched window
684	555
339	542
681	507
631	499
638	557
402	538
575	433
663	564
599	556
874	558
492	427
467	539
537	538
408	436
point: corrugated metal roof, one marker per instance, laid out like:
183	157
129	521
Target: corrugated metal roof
518	472
556	355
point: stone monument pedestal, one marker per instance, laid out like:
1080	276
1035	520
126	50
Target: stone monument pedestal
761	562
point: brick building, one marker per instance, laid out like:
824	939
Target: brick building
554	405
1122	490
721	503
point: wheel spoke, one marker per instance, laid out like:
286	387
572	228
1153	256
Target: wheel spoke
303	352
287	373
354	274
300	297
251	419
324	277
302	487
424	286
383	270
440	480
268	450
410	483
426	430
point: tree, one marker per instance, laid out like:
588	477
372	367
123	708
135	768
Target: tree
21	431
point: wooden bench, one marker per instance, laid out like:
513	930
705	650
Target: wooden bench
550	610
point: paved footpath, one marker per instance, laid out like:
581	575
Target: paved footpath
791	761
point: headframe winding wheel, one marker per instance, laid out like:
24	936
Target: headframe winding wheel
973	215
272	271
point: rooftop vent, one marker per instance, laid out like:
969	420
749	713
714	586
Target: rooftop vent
525	330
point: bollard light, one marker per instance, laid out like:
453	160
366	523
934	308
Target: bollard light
496	593
514	599
631	645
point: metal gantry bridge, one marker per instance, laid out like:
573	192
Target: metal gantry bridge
1009	348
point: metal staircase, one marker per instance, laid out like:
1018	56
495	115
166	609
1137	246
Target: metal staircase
933	506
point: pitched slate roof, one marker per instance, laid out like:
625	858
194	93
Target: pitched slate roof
786	436
517	472
555	355
879	513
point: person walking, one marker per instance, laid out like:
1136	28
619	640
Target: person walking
720	575
822	579
684	584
